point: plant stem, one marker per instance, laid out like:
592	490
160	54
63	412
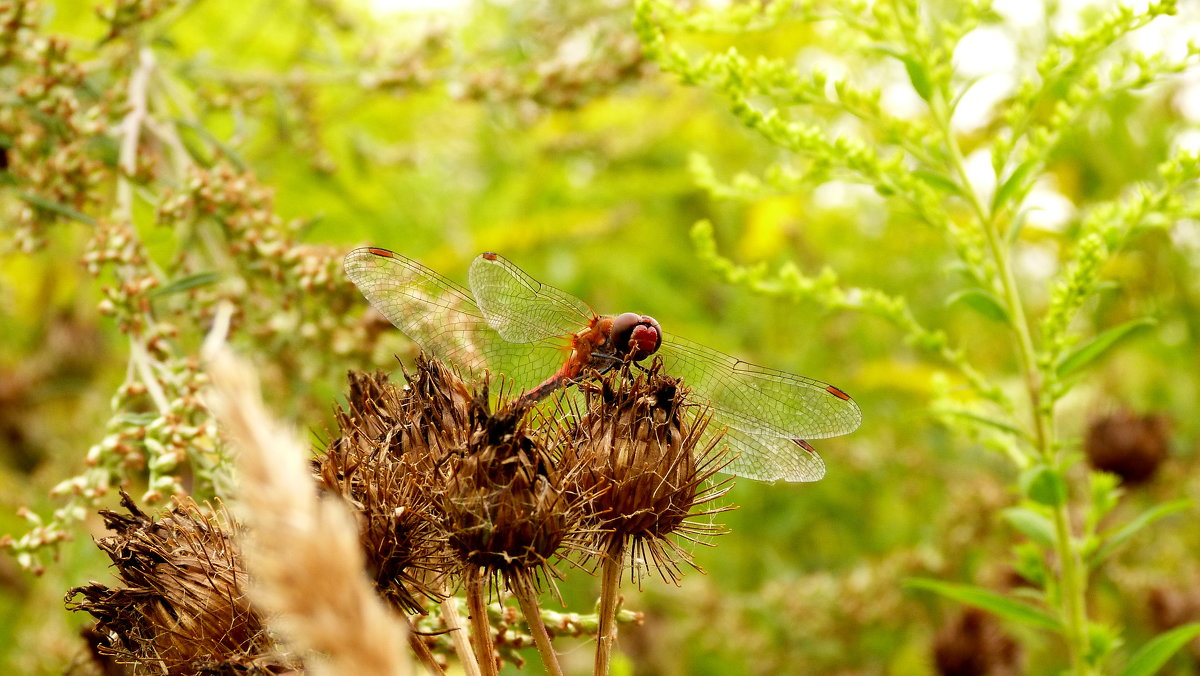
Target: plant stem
522	587
610	580
1073	585
422	651
1074	589
458	635
481	628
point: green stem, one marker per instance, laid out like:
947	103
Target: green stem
522	588
1074	589
1073	586
610	580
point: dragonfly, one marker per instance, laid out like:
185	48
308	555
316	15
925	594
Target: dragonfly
544	340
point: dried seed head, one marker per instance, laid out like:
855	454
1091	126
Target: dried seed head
504	501
369	467
183	608
423	421
975	643
438	410
642	462
437	478
1129	445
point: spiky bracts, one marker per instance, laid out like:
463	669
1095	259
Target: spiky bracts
367	466
432	462
642	462
640	458
182	606
451	492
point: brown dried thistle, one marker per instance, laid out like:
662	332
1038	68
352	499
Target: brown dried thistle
506	508
508	513
1129	445
446	489
368	466
182	608
643	470
642	461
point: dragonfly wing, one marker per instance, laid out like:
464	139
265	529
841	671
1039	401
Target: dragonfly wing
442	318
766	458
760	401
521	308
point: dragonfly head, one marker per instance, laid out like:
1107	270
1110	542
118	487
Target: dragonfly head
634	334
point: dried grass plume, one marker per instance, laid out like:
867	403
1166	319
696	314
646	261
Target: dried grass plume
303	553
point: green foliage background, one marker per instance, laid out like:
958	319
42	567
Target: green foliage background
544	131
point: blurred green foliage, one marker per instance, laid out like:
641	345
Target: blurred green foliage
553	132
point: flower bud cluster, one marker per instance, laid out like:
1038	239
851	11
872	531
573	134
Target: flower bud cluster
588	63
52	127
122	15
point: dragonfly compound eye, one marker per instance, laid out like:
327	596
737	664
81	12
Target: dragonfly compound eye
636	333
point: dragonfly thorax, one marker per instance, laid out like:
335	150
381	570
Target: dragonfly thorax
636	335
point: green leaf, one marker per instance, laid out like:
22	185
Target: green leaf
982	301
1155	654
1093	349
185	283
60	209
990	601
226	150
916	72
1044	485
1102	640
106	148
1120	535
1031	524
1015	226
982	420
1014	184
919	77
1030	563
939	181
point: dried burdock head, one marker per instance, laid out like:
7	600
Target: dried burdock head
183	607
643	468
505	502
973	643
424	421
437	478
437	413
373	466
1129	445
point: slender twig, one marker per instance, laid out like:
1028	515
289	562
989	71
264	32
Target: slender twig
422	651
458	635
522	588
141	362
131	127
481	628
610	580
